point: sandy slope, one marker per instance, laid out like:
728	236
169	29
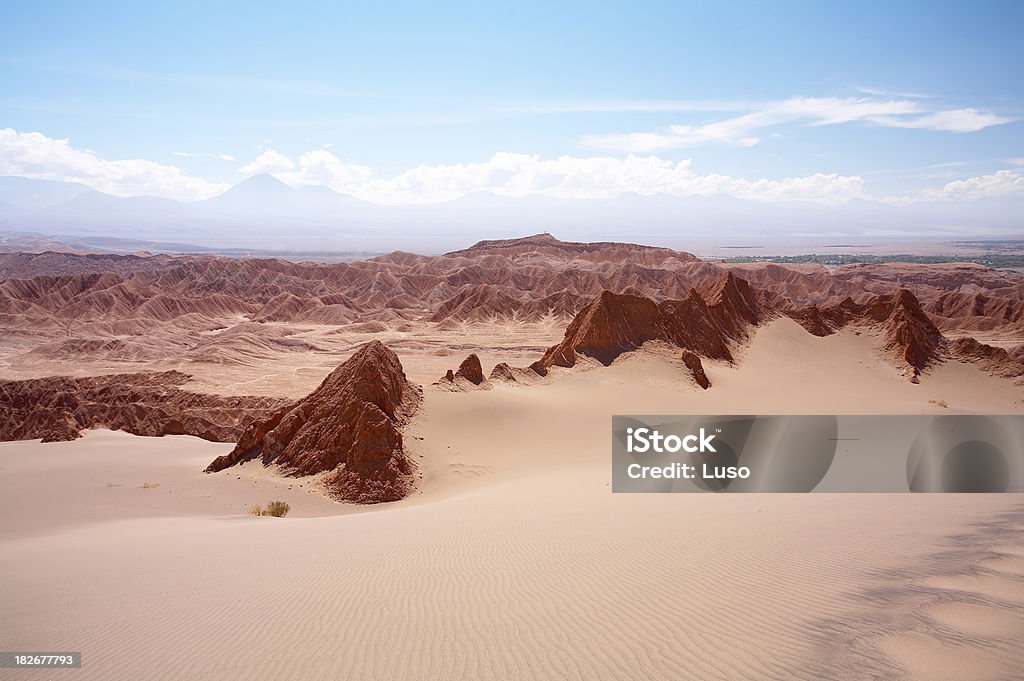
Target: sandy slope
514	561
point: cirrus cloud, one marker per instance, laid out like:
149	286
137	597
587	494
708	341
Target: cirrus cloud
743	130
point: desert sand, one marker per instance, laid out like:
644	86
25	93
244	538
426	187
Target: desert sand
512	559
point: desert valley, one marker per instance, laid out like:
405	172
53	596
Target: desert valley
439	427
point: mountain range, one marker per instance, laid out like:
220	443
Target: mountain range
263	213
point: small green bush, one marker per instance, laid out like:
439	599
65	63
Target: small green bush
278	509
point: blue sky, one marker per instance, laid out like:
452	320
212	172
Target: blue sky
900	102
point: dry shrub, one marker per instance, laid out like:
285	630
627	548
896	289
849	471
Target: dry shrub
278	509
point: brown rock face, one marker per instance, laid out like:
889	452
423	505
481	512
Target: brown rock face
908	334
539	368
692	363
990	358
733	304
608	326
348	427
1017	353
503	372
471	370
58	408
704	322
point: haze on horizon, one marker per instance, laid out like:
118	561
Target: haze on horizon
410	126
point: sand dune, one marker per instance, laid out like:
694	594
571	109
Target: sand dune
513	560
523	577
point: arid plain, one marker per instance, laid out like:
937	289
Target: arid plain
500	552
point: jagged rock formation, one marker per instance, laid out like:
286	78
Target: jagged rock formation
605	328
907	332
58	408
240	314
995	360
348	428
710	322
696	369
503	372
733	304
960	298
909	337
704	322
527	278
471	370
469	375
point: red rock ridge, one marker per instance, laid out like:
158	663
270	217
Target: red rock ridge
908	335
58	408
546	244
706	323
995	360
907	331
348	428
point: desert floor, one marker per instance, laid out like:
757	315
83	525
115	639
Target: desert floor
513	560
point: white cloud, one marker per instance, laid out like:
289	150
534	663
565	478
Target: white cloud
742	130
191	154
509	174
35	155
269	161
621	106
887	93
955	120
516	175
999	183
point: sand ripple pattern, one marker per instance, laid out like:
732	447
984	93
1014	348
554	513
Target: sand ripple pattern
515	582
957	614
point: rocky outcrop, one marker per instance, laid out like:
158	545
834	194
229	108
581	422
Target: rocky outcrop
468	376
705	322
993	359
696	369
58	408
471	370
503	372
733	304
539	368
909	337
908	334
607	327
349	429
